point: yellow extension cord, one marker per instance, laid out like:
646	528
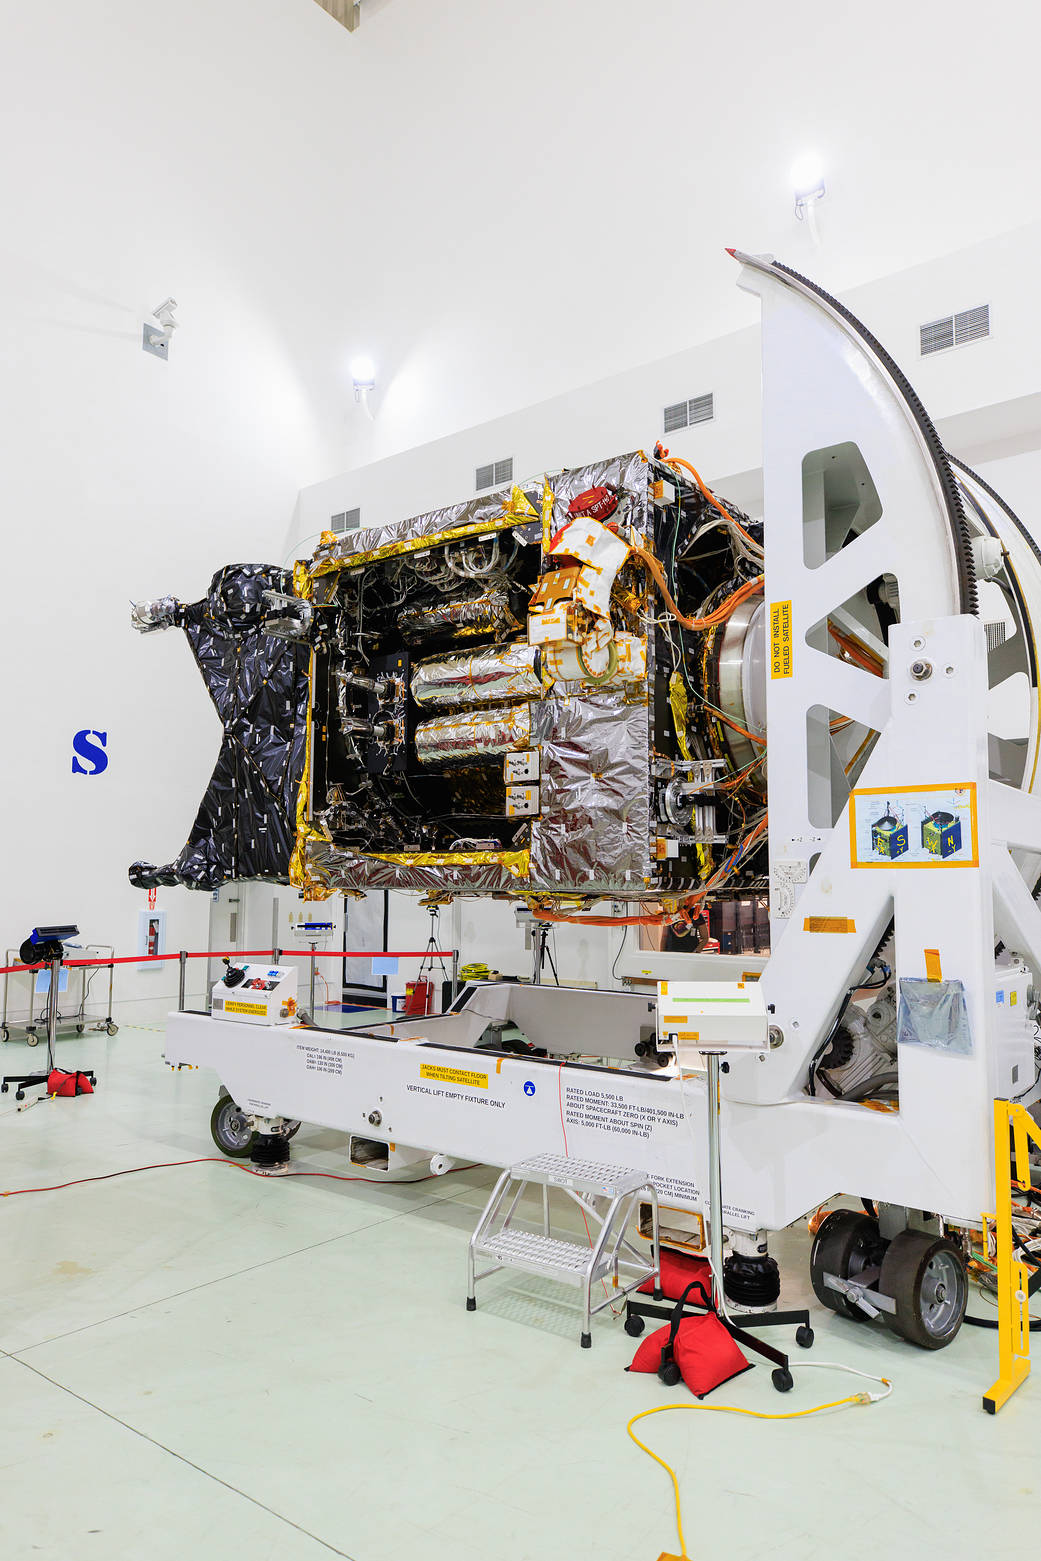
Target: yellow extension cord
756	1414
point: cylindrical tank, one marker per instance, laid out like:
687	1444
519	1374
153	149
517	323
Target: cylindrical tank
473	735
485	676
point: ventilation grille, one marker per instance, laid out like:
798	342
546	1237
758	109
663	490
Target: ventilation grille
996	634
956	330
347	520
495	474
684	414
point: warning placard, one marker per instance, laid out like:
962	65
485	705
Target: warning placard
780	639
429	1070
245	1008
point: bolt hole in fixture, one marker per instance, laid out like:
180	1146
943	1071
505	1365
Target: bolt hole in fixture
363	377
808	186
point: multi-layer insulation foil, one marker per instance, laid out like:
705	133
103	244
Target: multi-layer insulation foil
473	734
489	614
329	739
246	823
480	677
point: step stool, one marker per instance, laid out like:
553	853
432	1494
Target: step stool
609	1256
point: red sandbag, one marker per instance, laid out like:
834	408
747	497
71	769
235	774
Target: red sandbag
703	1350
678	1269
61	1083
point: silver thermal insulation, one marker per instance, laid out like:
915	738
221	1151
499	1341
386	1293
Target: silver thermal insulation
469	735
481	677
627	473
593	834
488	614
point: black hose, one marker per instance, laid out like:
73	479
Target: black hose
987	1322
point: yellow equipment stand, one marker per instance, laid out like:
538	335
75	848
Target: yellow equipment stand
1013	1276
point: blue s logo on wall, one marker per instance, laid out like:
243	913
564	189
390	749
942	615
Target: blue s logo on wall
90	747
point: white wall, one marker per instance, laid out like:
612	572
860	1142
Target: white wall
137	166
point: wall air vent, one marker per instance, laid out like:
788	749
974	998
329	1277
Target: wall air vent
347	520
684	414
956	330
495	474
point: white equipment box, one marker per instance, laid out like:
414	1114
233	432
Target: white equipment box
704	1016
261	994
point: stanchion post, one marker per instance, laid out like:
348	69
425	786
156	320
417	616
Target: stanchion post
182	976
455	974
52	1011
313	960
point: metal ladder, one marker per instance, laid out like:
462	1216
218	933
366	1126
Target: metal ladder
609	1256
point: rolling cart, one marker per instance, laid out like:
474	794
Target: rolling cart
74	1024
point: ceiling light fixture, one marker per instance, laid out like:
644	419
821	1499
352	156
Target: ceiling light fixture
363	374
809	188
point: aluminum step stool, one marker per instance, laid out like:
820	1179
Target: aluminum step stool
610	1256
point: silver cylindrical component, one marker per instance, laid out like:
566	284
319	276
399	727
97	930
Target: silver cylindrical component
479	677
487	614
473	734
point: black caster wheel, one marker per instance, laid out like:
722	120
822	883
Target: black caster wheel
471	1303
669	1375
111	1029
586	1341
782	1380
231	1131
5	1034
634	1326
80	1029
804	1336
4	1088
31	1038
19	1094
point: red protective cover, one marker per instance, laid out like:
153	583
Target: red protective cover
677	1271
598	503
704	1351
61	1083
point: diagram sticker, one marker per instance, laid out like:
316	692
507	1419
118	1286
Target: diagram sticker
914	826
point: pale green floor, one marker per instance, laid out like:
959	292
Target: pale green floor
201	1364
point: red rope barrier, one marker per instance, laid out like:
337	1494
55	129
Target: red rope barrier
149	959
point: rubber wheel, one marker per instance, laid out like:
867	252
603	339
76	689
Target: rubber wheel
845	1245
782	1380
804	1336
669	1375
80	1029
230	1130
925	1275
5	1034
32	1039
634	1326
112	1029
291	1131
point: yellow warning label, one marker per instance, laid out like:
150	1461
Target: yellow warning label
687	1035
780	639
428	1070
673	1018
829	924
245	1008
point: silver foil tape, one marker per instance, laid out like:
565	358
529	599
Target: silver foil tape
453	739
489	614
486	676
